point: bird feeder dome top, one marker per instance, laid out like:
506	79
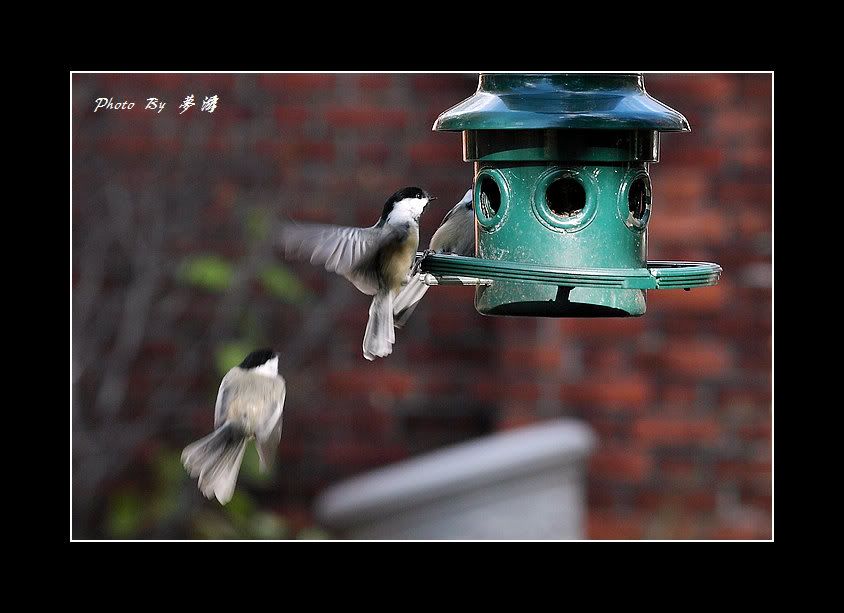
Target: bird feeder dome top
506	101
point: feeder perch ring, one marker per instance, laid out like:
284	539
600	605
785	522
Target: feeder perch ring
449	269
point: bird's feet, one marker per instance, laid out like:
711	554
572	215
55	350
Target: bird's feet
418	263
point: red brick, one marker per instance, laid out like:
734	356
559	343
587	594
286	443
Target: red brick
732	533
218	144
268	147
139	145
366	117
755	432
695	358
362	454
757	500
365	380
604	359
757	86
297	517
628	392
743	531
374	152
699	300
371	422
678	189
678	396
680	527
745	470
694	227
492	390
705	88
606	525
307	150
751	222
445	324
754	402
679	470
287	115
676	431
225	194
375	81
457	83
613	328
516	419
652	499
702	501
221	81
696	156
431	152
622	464
160	348
165	81
751	125
735	195
756	157
609	426
598	496
531	357
300	81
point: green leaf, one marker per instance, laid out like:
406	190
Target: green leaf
257	224
251	467
209	272
168	468
231	354
240	507
313	534
164	504
268	526
284	285
208	525
125	514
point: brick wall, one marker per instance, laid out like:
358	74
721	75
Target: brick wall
680	398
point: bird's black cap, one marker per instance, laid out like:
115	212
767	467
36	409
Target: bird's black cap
257	358
405	192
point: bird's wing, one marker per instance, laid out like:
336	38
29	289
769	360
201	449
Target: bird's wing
340	249
456	234
268	438
448	215
221	407
465	203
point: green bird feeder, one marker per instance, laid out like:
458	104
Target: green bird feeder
562	196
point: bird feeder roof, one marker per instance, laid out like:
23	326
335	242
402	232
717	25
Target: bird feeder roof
565	100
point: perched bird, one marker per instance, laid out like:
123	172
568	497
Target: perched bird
456	234
249	405
376	260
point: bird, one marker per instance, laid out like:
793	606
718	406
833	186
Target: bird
377	260
456	234
249	406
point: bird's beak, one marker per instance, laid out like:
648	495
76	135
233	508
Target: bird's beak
431	198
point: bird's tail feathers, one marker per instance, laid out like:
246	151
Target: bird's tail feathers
407	299
380	334
216	459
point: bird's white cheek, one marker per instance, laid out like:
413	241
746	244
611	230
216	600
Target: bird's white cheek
269	369
408	209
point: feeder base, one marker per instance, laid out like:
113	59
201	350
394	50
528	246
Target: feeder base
534	300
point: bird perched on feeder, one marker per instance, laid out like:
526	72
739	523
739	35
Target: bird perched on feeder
377	260
456	234
249	406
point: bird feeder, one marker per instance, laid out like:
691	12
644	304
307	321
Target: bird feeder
562	196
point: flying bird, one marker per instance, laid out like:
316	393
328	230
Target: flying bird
377	260
249	406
